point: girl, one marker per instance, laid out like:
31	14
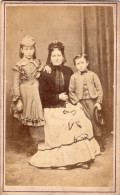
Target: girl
26	102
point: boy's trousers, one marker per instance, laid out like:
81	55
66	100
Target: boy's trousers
88	107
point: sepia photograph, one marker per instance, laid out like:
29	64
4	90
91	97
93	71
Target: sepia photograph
59	97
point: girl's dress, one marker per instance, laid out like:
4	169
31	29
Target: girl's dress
69	137
26	89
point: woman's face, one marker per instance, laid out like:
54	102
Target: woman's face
56	57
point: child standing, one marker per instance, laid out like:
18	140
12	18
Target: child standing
85	89
26	102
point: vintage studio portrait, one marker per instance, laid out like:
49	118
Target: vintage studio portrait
59	72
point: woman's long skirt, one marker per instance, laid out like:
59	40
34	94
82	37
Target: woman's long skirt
68	139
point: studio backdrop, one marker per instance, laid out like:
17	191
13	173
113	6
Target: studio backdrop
86	29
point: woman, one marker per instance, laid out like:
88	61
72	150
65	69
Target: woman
69	138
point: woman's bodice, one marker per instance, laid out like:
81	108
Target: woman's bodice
50	87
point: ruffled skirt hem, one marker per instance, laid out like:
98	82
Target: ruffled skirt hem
29	122
74	154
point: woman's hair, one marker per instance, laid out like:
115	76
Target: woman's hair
21	54
51	47
82	55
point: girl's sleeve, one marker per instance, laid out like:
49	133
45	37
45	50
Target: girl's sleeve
16	84
98	88
73	97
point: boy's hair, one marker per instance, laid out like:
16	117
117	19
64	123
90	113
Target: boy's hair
21	54
82	55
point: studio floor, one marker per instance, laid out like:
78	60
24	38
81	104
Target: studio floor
18	172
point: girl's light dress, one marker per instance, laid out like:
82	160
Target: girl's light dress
26	89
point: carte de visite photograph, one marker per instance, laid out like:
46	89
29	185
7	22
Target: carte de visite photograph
59	104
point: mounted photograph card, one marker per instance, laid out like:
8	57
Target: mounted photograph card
59	84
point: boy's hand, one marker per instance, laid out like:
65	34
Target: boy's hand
19	106
98	106
47	69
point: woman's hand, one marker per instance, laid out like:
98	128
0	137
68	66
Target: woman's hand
80	105
47	69
98	106
63	96
19	106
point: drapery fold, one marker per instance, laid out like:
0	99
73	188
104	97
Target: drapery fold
98	38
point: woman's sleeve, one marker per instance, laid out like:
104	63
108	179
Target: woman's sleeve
73	97
48	96
16	85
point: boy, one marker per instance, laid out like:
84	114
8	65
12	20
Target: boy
85	89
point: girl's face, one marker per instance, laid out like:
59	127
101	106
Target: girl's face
56	57
28	51
81	64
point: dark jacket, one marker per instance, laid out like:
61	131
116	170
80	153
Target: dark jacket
48	93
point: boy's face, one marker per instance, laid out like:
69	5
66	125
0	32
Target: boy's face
28	51
81	64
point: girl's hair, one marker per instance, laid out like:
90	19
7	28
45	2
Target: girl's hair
82	55
21	54
51	47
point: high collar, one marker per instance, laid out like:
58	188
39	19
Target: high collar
25	61
57	67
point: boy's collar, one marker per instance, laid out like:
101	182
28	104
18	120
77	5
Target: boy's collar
85	71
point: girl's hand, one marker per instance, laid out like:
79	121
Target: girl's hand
47	69
63	97
98	106
19	106
37	75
